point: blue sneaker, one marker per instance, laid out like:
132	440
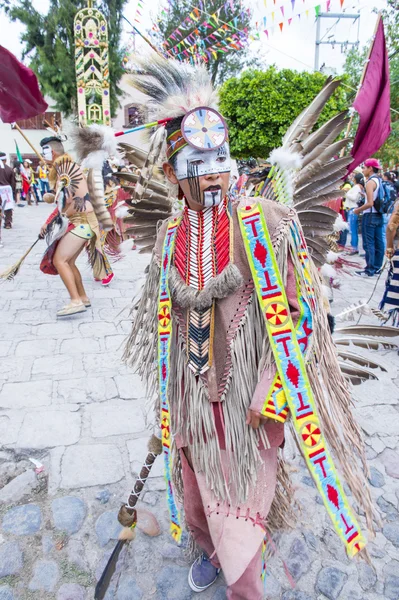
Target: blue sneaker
202	574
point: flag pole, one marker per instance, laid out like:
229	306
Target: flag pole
17	127
366	64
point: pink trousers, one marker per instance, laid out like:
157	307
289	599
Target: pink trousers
249	585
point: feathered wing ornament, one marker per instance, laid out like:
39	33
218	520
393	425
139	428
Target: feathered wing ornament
306	173
147	208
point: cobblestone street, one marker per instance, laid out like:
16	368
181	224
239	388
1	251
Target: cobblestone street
68	403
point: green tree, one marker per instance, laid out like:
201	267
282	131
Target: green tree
48	41
221	64
260	106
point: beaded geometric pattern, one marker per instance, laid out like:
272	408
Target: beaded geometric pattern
202	251
292	370
164	342
276	405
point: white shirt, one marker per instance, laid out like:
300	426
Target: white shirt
375	194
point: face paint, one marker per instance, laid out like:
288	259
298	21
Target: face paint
191	164
47	153
207	163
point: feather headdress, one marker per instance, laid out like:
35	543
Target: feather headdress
173	88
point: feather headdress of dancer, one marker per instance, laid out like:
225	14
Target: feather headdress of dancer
173	89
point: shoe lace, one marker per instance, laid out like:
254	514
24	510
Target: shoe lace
203	558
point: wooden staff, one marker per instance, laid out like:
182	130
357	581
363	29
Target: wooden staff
17	127
362	79
128	517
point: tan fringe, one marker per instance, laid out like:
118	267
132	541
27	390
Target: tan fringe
284	510
141	349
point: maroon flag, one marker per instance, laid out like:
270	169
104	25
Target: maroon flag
373	103
20	96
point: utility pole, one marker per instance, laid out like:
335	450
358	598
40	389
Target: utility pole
319	41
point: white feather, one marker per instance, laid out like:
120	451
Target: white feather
122	211
328	271
340	224
95	160
126	245
332	257
109	144
326	292
285	159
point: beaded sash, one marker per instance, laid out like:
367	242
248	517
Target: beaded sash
292	371
164	342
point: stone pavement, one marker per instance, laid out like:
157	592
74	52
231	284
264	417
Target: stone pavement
67	402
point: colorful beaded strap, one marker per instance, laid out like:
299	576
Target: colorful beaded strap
164	342
292	370
276	405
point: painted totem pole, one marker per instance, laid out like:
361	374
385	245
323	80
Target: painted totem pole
92	66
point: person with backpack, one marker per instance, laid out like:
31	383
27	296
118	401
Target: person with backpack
372	219
390	195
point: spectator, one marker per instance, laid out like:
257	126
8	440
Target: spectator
18	182
388	181
26	172
7	191
344	213
372	223
396	181
353	198
42	173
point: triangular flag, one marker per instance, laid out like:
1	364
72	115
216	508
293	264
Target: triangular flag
293	5
281	26
18	153
317	10
328	5
267	33
341	2
272	16
282	10
264	21
265	3
289	21
307	13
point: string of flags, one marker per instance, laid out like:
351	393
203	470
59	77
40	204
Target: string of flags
202	36
279	17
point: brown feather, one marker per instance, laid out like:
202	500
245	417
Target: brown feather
360	360
317	137
305	122
369	330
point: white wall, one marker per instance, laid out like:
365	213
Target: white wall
131	95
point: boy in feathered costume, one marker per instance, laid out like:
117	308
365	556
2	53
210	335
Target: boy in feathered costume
232	333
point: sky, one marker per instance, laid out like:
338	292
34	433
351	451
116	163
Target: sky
293	47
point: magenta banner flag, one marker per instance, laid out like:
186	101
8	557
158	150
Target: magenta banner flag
373	103
20	96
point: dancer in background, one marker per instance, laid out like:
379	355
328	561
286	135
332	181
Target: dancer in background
7	191
71	227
